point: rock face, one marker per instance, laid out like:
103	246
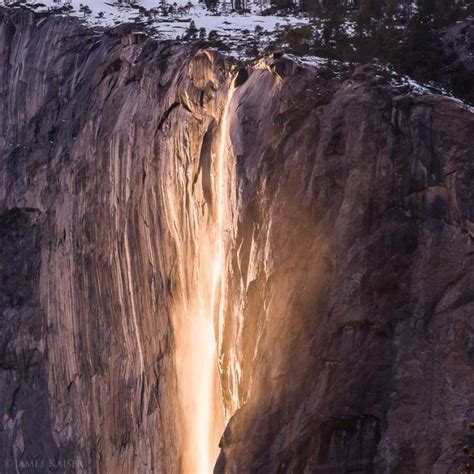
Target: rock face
345	340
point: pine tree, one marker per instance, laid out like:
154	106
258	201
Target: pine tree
192	31
85	9
211	5
427	8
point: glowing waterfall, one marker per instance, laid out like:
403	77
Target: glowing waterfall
200	311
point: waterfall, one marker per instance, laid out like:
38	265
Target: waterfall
202	253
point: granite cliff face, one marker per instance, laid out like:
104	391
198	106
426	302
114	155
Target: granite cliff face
318	231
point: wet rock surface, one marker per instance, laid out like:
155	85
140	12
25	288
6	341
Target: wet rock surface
348	333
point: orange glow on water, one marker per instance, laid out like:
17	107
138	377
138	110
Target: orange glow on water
196	319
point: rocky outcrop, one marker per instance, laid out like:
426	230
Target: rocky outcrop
345	344
86	119
357	332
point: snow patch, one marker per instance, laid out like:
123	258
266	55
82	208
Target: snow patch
175	19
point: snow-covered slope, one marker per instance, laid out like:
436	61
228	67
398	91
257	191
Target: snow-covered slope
174	19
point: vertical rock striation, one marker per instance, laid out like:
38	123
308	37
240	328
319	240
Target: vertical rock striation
100	133
322	228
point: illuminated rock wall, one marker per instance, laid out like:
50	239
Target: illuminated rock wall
343	297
